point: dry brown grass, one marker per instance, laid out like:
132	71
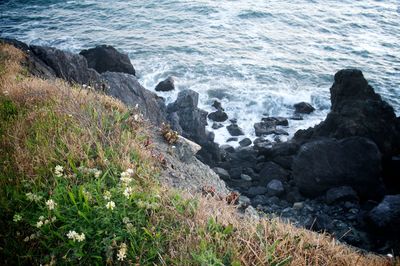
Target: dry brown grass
83	121
252	238
251	241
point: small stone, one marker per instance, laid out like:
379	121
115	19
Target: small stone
166	85
254	191
245	177
245	142
298	205
234	130
221	172
275	188
216	125
232	139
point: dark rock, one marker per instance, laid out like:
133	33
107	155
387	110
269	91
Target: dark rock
192	120
235	172
386	216
68	66
272	171
264	128
218	116
233	120
303	108
284	161
234	130
391	170
217	105
210	136
106	58
245	142
259	200
127	88
227	148
281	132
222	173
340	194
254	191
327	163
275	188
232	139
166	85
357	111
217	125
278	121
294	196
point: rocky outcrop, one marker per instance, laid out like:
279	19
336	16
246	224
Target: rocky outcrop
357	111
105	58
128	89
166	85
68	66
326	163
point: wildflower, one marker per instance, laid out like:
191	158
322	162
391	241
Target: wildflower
26	239
58	171
136	117
33	197
110	205
107	195
53	219
122	252
72	234
5	93
125	220
128	192
97	173
39	224
51	204
80	237
17	218
41	218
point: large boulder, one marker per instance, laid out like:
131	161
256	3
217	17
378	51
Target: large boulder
68	66
327	163
105	58
386	216
303	108
128	89
357	111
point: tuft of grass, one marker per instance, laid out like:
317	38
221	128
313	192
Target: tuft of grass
78	186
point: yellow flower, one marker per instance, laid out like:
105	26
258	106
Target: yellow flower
110	205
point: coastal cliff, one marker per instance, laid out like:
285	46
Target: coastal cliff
99	136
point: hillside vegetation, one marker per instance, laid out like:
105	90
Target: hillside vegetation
78	186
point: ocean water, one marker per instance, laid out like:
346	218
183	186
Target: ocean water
257	57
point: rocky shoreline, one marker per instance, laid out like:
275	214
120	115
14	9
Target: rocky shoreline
341	176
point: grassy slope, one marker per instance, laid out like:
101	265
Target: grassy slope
95	138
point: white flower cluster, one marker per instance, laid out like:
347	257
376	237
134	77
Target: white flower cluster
110	205
75	236
127	177
17	217
42	221
122	252
33	197
59	171
107	195
91	171
51	204
128	192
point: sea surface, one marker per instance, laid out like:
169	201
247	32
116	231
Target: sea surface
257	57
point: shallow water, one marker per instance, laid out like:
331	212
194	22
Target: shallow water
257	57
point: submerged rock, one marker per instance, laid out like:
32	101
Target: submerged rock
105	58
